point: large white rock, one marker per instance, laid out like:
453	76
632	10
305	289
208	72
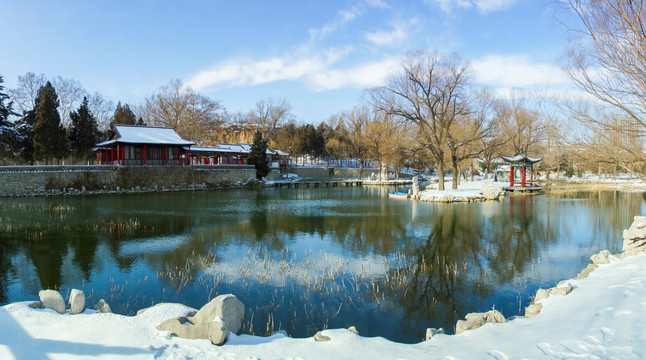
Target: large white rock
52	299
102	306
635	237
77	301
491	191
476	320
603	257
216	331
227	307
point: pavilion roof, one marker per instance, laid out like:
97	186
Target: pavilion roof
150	135
521	158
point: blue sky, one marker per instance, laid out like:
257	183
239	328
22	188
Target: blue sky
320	55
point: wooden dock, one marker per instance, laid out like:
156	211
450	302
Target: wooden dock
317	183
527	190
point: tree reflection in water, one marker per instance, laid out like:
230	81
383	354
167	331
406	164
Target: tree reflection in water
304	259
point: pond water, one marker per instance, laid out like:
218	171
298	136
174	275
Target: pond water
306	259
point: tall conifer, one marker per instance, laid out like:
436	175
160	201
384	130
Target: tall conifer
123	115
258	155
84	131
49	134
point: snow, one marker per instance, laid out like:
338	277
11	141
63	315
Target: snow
127	134
604	317
466	191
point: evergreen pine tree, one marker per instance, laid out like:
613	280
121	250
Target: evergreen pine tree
84	131
258	155
25	128
123	115
8	135
49	134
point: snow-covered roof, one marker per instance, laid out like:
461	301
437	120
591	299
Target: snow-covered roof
233	149
521	158
132	134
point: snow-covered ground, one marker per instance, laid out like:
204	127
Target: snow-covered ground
604	317
466	191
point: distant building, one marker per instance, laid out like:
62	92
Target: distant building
234	154
133	145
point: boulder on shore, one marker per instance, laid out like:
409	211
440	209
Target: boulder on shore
52	299
103	307
491	191
213	321
635	237
216	331
227	307
476	320
77	301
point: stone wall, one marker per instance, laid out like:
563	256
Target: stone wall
324	172
35	180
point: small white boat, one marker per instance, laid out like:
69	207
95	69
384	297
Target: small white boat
398	195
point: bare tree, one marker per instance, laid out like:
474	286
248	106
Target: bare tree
521	123
70	95
102	109
607	60
271	114
429	92
466	138
194	116
25	94
356	122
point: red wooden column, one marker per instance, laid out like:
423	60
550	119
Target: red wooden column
531	178
511	176
144	155
523	180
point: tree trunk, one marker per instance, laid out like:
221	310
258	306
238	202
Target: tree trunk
440	174
456	175
360	168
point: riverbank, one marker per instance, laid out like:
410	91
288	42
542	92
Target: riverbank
603	317
101	179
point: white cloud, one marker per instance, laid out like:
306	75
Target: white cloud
516	71
316	71
484	6
363	75
345	16
487	6
449	5
399	32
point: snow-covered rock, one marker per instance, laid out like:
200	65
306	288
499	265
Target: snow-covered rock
476	320
52	299
227	307
320	337
430	332
102	307
635	237
216	331
492	191
77	301
533	309
603	257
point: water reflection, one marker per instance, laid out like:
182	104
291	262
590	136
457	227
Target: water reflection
303	259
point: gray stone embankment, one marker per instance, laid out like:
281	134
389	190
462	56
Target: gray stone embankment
79	179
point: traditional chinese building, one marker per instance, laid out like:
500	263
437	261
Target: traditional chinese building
234	154
523	163
143	145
